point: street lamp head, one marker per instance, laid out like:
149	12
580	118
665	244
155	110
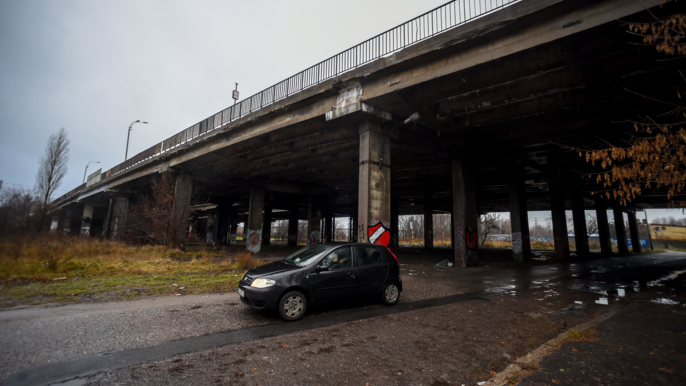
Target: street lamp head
137	120
145	122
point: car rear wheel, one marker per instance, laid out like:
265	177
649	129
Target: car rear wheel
390	294
292	306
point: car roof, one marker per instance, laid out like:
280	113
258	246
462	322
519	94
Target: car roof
341	243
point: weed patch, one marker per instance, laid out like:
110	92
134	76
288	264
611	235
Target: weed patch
68	269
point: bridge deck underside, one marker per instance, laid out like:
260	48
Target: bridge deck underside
532	106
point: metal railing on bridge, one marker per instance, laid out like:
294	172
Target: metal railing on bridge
420	28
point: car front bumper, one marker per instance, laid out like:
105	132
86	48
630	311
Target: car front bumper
259	298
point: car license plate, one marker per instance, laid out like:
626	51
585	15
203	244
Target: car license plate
241	293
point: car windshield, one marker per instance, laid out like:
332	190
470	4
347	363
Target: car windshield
307	255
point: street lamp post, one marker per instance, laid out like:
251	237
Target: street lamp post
84	172
126	156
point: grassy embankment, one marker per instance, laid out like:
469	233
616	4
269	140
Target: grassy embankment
43	269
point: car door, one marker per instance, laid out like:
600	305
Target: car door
371	269
339	282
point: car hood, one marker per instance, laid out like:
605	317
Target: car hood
272	269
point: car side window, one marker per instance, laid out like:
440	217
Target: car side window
340	258
368	256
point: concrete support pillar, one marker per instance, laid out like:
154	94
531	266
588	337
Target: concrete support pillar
54	224
519	218
603	227
233	230
267	225
557	209
223	223
353	231
579	216
116	226
374	206
254	229
180	212
395	214
293	225
328	225
428	223
465	218
633	229
86	220
314	217
211	229
622	245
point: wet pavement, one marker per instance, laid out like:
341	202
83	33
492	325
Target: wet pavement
452	326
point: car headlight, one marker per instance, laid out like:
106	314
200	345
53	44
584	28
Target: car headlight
262	283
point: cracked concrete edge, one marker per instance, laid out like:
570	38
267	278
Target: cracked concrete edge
534	357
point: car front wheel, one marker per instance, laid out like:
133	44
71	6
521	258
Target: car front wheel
390	294
292	306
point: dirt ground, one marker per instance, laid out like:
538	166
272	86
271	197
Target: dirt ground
457	344
465	342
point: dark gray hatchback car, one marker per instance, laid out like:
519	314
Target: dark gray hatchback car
321	273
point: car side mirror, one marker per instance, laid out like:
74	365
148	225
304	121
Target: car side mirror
321	268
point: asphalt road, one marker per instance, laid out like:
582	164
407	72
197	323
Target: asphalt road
214	339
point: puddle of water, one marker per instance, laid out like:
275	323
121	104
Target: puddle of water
413	273
602	301
671	276
666	301
578	302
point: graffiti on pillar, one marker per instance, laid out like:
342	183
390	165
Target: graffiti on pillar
379	234
232	239
472	243
517	243
395	240
314	237
85	232
293	237
254	242
209	238
361	231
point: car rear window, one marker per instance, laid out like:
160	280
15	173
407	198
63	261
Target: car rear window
368	256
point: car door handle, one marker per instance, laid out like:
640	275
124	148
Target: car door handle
350	275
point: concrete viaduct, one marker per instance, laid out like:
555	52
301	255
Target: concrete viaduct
461	110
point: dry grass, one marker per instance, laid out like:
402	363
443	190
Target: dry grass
581	336
53	268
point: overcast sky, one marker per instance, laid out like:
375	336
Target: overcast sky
93	67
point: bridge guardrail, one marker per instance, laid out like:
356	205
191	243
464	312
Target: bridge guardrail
427	25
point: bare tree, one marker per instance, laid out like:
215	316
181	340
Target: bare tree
591	224
51	170
151	219
490	222
15	209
